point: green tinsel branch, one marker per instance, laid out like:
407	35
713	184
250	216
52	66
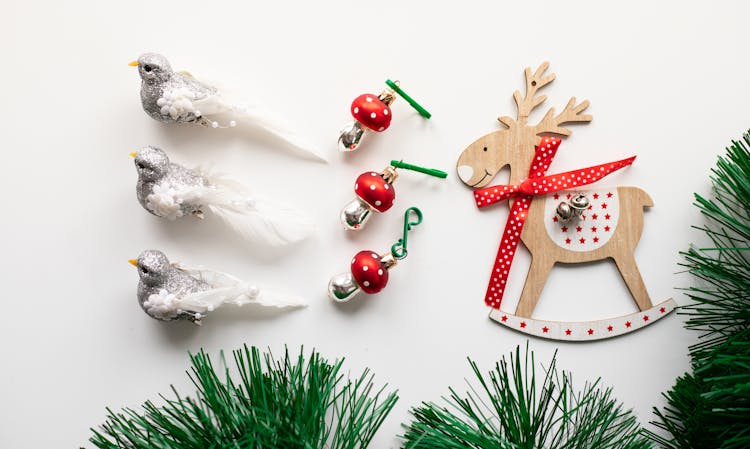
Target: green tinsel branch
511	408
710	407
289	403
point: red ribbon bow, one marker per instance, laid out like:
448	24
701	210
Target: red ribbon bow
536	184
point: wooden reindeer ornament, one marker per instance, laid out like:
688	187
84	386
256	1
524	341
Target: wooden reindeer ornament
556	219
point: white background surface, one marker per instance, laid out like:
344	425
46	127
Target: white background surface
668	83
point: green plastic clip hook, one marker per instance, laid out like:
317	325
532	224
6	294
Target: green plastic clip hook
422	111
427	171
398	250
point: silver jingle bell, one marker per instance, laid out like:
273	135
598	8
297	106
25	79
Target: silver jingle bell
567	211
351	136
579	202
343	287
355	214
564	212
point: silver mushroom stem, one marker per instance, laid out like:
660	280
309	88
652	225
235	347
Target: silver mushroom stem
355	214
350	137
343	287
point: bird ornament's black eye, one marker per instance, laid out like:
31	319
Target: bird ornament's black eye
147	68
144	270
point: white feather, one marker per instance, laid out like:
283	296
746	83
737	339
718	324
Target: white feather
220	112
254	217
230	290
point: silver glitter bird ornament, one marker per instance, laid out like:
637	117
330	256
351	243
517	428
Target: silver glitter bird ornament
172	291
171	191
177	97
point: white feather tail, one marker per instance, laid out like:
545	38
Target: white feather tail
256	218
228	289
218	112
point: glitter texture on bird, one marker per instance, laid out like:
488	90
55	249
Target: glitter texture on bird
172	291
171	191
178	97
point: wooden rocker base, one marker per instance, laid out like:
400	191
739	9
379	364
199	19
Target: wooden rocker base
585	330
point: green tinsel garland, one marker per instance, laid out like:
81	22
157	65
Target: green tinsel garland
286	404
710	407
511	409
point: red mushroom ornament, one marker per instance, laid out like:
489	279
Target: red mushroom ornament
375	193
372	113
369	270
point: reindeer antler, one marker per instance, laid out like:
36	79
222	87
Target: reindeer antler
530	101
571	114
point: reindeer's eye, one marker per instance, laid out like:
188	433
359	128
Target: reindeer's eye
485	148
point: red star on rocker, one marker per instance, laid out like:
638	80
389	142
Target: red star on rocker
610	328
662	310
568	331
545	329
564	229
504	318
604	205
596	239
591	207
645	317
582	240
568	196
606	229
579	229
591	331
593	229
554	219
567	241
556	196
594	217
606	216
627	324
596	196
609	194
523	324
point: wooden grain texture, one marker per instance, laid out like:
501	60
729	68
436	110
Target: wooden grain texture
514	146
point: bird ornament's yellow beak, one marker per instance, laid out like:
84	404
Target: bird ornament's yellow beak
133	262
133	63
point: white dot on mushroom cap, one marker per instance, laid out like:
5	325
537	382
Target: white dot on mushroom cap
378	203
372	173
368	99
386	187
365	268
374	256
373	115
353	260
372	186
366	283
381	128
385	112
356	110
